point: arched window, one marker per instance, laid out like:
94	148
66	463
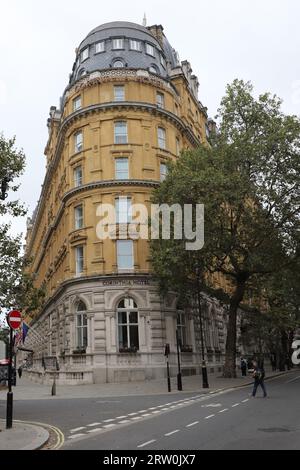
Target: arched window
81	73
128	326
118	64
81	326
153	69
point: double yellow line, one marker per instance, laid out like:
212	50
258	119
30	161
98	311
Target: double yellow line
60	438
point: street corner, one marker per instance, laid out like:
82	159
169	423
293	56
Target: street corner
29	436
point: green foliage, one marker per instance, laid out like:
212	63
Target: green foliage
249	182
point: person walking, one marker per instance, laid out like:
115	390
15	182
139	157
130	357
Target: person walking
259	376
20	371
243	367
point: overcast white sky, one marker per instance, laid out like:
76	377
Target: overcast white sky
256	40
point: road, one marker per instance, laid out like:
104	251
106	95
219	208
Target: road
220	420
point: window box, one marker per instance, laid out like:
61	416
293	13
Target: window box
132	350
186	349
79	351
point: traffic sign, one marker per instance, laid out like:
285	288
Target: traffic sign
14	319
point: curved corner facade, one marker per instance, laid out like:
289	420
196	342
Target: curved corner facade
129	108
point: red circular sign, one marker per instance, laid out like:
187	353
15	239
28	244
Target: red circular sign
14	319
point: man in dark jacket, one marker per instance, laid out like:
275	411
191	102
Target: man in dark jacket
258	375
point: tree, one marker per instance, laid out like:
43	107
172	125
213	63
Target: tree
248	180
16	287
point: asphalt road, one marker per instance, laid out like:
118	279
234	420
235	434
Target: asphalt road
221	420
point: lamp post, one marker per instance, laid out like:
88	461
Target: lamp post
203	367
179	380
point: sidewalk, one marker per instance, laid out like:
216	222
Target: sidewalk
22	436
27	390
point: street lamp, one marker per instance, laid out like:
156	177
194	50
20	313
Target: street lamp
203	367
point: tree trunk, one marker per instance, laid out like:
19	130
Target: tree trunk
230	355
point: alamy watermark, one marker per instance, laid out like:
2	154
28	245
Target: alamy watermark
134	221
296	353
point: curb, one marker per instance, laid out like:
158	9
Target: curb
38	441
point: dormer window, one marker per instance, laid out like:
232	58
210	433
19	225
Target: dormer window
162	61
153	69
118	64
118	43
85	54
149	49
100	47
135	45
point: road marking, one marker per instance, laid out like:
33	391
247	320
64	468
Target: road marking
210	416
165	409
147	414
236	404
75	436
292	380
143	411
137	417
172	432
93	424
124	422
121	417
94	430
192	424
146	443
155	412
108	420
245	401
222	411
153	408
77	429
132	414
109	425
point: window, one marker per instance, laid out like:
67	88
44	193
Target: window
135	45
81	326
161	138
121	132
118	64
100	47
123	210
118	43
77	103
160	100
125	254
78	177
78	142
128	326
122	169
181	329
79	260
149	49
85	54
119	93
177	147
81	73
162	61
163	171
153	69
78	213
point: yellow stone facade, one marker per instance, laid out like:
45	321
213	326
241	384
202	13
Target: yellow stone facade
89	109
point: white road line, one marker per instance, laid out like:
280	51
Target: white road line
121	417
109	426
171	433
145	415
143	411
94	430
245	401
236	404
77	429
124	421
210	416
292	380
192	424
132	414
165	409
153	408
155	412
75	436
93	424
108	420
146	443
136	418
223	411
